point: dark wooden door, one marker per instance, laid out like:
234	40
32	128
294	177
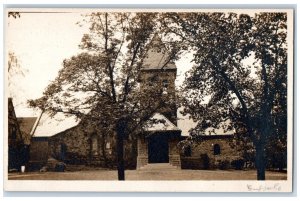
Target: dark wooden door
158	149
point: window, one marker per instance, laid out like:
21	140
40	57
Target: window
94	145
165	83
217	149
107	145
63	151
152	80
14	133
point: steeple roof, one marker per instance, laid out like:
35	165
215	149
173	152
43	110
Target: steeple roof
157	57
167	125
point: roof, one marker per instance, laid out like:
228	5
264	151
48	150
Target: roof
163	124
49	126
26	125
185	123
157	56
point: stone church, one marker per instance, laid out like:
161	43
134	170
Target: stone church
81	143
160	145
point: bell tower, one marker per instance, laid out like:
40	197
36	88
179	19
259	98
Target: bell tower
158	70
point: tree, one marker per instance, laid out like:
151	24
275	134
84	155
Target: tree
14	14
15	71
240	73
102	82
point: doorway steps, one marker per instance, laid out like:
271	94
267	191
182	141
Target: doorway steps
158	166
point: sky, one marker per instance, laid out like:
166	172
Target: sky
41	41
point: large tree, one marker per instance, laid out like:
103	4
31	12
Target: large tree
102	82
240	74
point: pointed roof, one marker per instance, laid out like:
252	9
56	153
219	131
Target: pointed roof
157	56
186	123
26	125
163	124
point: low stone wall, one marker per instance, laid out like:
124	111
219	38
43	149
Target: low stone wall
174	154
142	157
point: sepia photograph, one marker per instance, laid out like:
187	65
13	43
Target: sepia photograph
189	100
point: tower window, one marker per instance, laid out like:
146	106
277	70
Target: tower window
165	83
152	80
217	149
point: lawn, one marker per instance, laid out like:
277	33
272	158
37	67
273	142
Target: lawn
148	175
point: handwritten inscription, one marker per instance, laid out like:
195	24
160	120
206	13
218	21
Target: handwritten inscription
264	187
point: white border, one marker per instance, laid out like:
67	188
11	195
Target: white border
169	186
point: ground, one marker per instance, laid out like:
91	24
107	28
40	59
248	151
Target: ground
148	175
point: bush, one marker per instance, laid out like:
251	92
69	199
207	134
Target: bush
238	164
224	165
60	167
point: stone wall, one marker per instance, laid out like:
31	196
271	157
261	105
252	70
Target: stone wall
203	155
85	145
142	157
174	154
39	152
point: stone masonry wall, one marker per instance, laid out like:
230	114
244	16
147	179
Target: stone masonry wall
142	157
203	152
174	154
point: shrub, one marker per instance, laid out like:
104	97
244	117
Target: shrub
60	167
205	161
238	164
224	165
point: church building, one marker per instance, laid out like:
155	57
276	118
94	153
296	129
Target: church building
81	143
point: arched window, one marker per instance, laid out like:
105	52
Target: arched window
63	151
187	151
217	149
13	133
94	145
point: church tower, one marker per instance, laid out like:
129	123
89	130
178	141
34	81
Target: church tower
159	142
158	70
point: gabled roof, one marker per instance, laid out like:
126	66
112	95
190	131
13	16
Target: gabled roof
157	56
185	123
162	124
26	125
49	126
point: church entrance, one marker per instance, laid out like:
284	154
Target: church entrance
158	149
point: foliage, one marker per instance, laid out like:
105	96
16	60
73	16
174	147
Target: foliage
240	74
224	165
102	82
14	14
238	164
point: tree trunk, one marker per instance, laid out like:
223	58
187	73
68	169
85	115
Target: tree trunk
121	126
120	158
260	161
